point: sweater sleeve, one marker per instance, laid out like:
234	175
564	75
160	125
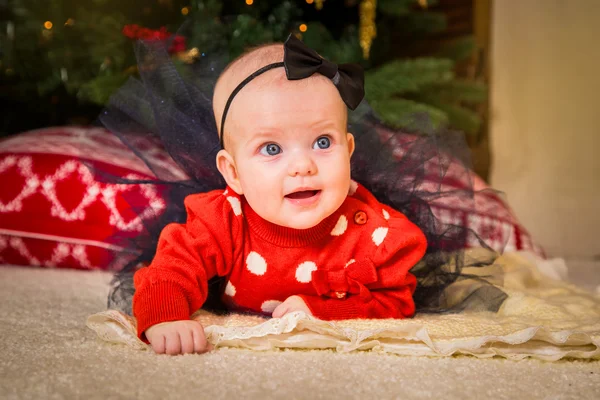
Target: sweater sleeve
385	285
175	284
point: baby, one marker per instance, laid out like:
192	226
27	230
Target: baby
292	231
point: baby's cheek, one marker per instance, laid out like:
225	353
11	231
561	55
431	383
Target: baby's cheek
338	176
263	196
255	180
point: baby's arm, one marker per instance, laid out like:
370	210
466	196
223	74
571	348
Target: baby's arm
175	284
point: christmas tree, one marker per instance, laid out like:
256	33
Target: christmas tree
76	54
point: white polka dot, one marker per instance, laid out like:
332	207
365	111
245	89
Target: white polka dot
341	226
304	271
269	305
353	187
386	215
225	192
235	205
378	235
230	289
349	262
256	264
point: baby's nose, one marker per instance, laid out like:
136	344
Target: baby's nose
302	164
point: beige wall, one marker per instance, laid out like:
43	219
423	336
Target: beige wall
545	119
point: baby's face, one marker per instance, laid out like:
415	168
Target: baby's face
291	150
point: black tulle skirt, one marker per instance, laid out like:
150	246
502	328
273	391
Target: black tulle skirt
408	170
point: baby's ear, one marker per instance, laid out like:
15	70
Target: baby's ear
350	139
227	168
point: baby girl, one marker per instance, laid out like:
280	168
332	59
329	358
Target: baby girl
291	231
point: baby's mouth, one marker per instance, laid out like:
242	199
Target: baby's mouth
302	194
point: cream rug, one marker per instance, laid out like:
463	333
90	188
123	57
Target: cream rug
543	318
47	352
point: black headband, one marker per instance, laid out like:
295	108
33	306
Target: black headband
300	61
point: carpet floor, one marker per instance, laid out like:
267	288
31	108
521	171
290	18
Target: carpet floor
47	352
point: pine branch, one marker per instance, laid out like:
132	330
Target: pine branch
459	49
459	117
460	91
99	90
397	8
399	113
407	76
344	50
422	24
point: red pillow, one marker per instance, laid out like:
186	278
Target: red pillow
54	213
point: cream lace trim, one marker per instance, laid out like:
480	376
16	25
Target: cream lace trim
542	318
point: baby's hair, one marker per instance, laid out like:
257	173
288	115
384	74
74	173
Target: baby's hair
258	56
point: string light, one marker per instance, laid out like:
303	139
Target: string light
70	22
185	10
48	25
64	75
190	56
423	3
249	2
310	1
303	27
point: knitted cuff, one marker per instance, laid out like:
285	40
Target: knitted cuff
159	302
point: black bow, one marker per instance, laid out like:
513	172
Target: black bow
301	61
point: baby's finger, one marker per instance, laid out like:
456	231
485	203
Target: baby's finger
280	310
276	312
158	344
173	343
201	345
187	341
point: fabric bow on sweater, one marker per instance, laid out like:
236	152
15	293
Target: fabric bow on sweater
349	280
301	61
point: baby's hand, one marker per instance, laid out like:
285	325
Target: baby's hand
178	337
292	303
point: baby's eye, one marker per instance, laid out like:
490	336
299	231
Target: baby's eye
270	149
323	142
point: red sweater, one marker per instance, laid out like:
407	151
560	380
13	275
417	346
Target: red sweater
354	264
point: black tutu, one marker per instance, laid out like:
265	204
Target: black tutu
407	170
